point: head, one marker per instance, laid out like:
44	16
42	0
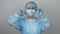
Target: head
30	8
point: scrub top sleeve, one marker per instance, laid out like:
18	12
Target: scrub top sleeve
45	24
13	21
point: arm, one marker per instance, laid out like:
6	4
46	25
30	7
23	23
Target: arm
13	20
45	24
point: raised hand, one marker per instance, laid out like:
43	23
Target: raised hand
20	13
40	12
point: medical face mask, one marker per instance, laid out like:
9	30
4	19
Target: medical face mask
30	12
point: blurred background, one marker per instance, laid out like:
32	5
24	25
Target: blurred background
50	7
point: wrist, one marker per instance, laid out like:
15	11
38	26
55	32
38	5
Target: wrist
42	17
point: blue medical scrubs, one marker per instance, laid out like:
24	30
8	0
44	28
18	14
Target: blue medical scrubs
29	26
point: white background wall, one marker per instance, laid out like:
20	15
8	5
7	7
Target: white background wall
50	7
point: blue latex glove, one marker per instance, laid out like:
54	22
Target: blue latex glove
20	13
40	12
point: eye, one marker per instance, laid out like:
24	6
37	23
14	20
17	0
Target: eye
32	8
28	8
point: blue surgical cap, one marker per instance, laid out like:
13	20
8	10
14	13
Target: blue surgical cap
31	4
